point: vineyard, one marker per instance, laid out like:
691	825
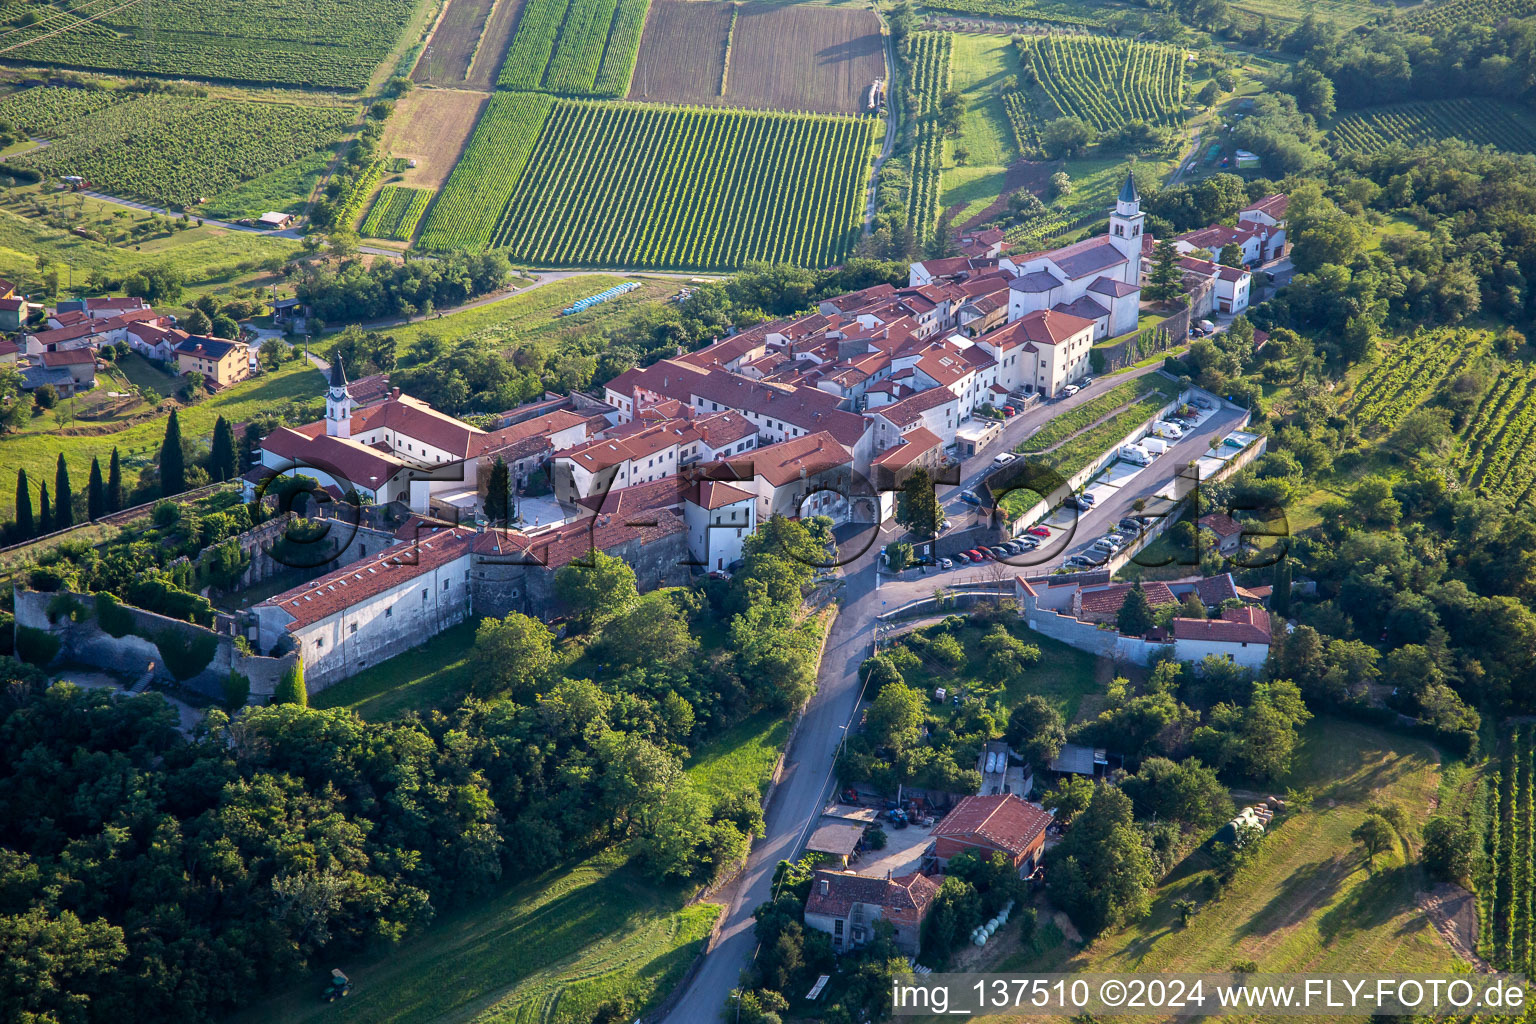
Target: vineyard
1024	123
575	47
931	54
1498	446
1409	374
1503	884
43	110
633	185
396	213
1431	18
464	216
1482	122
362	187
202	147
1107	82
326	43
1087	14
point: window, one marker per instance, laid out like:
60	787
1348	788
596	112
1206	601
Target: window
445	584
320	644
352	627
423	594
389	613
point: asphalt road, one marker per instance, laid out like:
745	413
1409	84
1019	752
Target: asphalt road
806	782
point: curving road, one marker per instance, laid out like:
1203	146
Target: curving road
806	783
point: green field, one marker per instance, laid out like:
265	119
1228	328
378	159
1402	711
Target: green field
326	43
285	190
43	111
550	948
203	147
1306	902
430	676
1105	81
1346	14
1086	12
575	47
624	184
38	447
980	64
1482	122
1432	17
396	213
932	54
743	757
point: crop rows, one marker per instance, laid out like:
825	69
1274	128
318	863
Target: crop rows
1431	18
1107	82
1031	11
643	186
1499	444
931	56
575	47
1024	122
1482	122
362	187
464	216
1409	374
44	110
329	43
1504	878
396	212
200	147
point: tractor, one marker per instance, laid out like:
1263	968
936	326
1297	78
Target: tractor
339	987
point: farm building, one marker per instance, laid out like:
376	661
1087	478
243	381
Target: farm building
9	351
989	824
846	907
79	363
276	221
13	311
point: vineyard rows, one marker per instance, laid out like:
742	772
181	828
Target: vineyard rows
1431	18
1032	11
1107	82
575	47
43	110
931	56
465	214
396	213
327	43
1504	879
202	147
1498	446
1409	374
1482	122
1025	124
362	187
643	186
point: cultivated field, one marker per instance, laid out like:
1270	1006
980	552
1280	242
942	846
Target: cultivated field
202	147
931	53
575	47
431	126
1088	12
634	185
1498	445
1343	13
396	213
446	60
1403	380
1482	122
766	56
1432	17
486	66
1107	82
44	111
330	43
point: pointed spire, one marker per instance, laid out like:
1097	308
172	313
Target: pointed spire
1128	193
339	376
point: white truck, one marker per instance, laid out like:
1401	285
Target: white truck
1154	446
1163	428
1135	455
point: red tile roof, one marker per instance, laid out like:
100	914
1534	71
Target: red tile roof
1221	524
69	357
416	419
910	409
1003	821
915	445
1108	600
345	458
1049	326
1273	206
1248	625
904	899
796	459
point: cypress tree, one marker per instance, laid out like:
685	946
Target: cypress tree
63	497
498	490
1135	616
173	467
95	493
290	689
44	511
115	483
1280	596
25	528
223	462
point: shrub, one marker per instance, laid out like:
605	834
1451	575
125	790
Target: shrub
291	688
7	634
65	606
113	619
37	646
186	656
237	690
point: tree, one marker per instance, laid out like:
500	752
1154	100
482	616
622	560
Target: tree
1280	591
1186	907
918	509
222	326
223	461
1374	835
511	654
1231	255
44	510
498	494
1447	851
115	483
1067	137
24	525
1036	732
1061	185
1007	655
63	497
197	322
895	719
173	467
1166	280
599	591
290	688
1070	798
96	493
1135	615
1101	873
899	555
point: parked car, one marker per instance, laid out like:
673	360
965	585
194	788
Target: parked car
1028	543
1084	382
1079	561
999	552
1009	411
1070	390
1087	499
970	498
945	563
976	555
1038	531
1013	547
1072	501
1002	458
1131	525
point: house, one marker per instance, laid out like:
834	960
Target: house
79	362
918	449
808	476
846	906
13	313
1228	531
935	411
989	824
221	362
9	352
1240	635
1102	603
1041	352
839	839
154	342
275	221
108	307
720	517
37	375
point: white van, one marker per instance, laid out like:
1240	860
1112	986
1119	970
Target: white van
1165	429
1154	446
1135	456
1003	457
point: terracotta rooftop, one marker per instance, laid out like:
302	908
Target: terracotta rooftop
69	357
904	899
1004	821
346	459
1248	625
915	444
416	419
910	409
1107	600
796	459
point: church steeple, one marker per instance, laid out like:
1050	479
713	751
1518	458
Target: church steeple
338	402
1126	222
1128	194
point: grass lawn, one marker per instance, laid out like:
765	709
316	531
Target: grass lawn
146	376
37	448
573	937
433	675
742	757
979	65
1306	902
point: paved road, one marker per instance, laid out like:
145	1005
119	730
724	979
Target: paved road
807	779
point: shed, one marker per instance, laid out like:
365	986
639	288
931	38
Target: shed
275	220
1073	760
837	838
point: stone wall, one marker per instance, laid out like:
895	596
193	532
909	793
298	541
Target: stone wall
341	542
1172	332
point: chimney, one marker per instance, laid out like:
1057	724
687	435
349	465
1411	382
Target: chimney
826	887
394	392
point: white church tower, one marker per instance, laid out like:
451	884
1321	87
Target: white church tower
1126	223
338	403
